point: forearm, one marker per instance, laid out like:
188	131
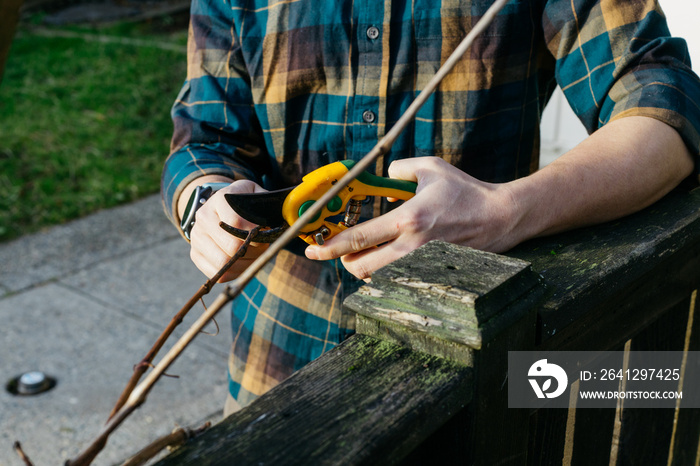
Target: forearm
621	168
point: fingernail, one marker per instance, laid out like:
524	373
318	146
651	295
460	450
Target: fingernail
312	253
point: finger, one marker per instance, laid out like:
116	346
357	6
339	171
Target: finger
358	238
214	247
210	249
363	264
209	217
210	266
211	246
208	237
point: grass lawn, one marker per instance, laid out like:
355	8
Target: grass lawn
84	125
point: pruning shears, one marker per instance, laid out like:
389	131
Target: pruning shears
276	210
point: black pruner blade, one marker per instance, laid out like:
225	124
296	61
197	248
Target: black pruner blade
267	235
264	209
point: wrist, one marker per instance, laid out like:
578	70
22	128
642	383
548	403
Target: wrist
186	193
199	192
513	216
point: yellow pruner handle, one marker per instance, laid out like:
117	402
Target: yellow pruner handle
316	183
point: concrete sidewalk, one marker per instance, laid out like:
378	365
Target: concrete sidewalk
84	302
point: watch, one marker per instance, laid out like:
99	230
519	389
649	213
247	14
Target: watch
199	196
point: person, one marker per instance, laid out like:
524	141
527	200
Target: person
277	89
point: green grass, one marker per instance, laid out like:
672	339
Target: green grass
83	126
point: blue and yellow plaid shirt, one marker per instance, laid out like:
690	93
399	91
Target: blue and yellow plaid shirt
276	89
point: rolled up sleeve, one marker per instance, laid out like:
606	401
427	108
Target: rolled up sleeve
216	131
616	59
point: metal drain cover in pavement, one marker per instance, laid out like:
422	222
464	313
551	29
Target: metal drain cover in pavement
31	383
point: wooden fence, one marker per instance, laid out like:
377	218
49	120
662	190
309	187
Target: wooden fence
9	14
424	379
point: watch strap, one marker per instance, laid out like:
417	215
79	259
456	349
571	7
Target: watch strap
199	196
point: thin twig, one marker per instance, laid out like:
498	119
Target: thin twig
174	439
93	450
18	449
145	363
139	393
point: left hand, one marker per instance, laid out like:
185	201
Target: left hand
449	205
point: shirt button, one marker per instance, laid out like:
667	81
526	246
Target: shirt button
368	116
372	32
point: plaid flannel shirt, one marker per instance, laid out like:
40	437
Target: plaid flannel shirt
278	88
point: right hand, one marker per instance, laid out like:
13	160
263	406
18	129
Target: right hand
211	246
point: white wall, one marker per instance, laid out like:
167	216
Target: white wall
683	17
561	129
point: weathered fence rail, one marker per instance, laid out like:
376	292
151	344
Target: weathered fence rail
424	379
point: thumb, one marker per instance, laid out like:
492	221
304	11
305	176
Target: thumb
244	186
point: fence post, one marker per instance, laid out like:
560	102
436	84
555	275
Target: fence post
469	306
9	14
433	392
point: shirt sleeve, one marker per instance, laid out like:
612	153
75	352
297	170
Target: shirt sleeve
616	59
216	131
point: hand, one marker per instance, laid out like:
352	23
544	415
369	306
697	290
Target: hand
449	205
211	246
612	173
